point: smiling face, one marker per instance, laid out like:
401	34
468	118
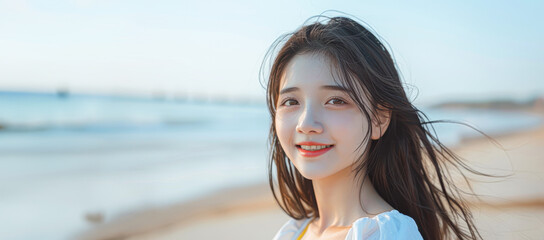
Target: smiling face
318	125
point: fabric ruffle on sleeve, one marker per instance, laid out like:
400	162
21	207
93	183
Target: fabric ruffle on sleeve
291	229
391	225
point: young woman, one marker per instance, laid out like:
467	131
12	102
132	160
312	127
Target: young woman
353	159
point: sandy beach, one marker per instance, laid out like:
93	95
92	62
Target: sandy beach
511	208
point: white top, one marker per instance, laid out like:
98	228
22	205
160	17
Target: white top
384	226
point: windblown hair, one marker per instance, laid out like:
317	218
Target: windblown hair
408	166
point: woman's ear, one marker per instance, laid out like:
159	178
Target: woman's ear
379	127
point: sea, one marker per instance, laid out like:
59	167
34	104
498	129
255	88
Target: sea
64	156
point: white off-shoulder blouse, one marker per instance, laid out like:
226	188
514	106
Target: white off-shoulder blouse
384	226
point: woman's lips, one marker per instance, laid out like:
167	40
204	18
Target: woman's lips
308	153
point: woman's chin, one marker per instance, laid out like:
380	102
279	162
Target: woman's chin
313	175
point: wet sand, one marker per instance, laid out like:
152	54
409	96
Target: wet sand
511	208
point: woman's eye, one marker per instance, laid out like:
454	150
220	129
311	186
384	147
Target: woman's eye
336	101
289	102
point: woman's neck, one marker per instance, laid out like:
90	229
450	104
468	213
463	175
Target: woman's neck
338	203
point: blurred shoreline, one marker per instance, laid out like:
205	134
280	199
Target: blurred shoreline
223	203
250	212
532	105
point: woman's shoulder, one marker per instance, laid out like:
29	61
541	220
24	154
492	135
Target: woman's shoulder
387	225
291	229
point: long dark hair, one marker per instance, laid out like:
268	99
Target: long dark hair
422	187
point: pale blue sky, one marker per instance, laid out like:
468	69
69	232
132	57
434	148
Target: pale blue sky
456	50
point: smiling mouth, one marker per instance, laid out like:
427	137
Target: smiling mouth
313	148
313	151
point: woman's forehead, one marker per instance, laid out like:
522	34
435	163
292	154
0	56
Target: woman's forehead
309	69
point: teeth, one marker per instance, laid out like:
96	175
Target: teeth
313	147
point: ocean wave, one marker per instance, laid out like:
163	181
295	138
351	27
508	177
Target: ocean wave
100	125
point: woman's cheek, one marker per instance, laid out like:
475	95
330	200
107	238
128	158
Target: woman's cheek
348	130
283	130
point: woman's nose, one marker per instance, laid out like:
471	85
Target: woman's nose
308	123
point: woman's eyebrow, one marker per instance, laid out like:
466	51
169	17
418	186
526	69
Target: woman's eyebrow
327	87
335	87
